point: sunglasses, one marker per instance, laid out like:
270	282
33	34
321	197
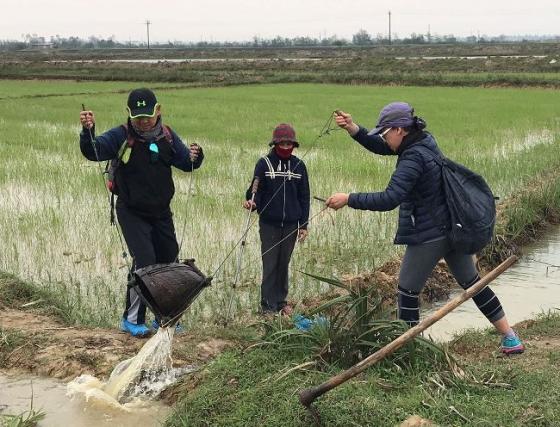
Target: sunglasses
385	132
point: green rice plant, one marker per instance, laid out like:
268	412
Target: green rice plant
54	227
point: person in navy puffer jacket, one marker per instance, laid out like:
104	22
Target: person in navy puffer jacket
416	186
282	202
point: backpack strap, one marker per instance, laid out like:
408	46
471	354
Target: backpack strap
129	137
167	134
441	162
271	171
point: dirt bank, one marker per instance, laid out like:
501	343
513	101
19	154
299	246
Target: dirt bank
39	344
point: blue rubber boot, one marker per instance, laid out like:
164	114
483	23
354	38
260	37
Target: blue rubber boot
138	331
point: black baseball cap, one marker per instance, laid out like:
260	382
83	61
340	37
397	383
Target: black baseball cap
141	103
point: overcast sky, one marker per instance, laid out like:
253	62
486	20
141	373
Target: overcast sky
222	20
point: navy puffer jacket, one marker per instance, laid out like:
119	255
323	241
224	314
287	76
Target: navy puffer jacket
416	186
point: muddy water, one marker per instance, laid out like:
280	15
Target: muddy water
126	399
530	287
50	396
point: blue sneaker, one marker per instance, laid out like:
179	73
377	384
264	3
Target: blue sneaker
178	327
512	345
133	329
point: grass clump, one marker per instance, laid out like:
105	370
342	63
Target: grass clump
9	341
19	294
349	328
26	419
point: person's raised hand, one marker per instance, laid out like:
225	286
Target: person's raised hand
344	120
194	151
87	119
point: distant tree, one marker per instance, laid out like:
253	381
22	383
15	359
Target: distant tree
449	38
414	39
362	38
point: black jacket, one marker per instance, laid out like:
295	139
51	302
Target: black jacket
145	181
416	186
283	191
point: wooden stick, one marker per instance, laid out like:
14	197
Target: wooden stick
307	396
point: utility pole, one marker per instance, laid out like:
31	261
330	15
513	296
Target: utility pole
148	31
389	27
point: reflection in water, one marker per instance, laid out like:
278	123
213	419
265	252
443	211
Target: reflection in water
529	287
49	396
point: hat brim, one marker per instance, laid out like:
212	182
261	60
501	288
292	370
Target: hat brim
142	112
377	130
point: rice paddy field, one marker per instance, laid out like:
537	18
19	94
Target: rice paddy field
54	211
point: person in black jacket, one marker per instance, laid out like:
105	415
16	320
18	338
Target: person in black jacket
282	201
416	187
146	149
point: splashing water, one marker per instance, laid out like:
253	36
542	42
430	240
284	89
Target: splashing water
141	377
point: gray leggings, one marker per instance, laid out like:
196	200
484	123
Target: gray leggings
420	260
417	265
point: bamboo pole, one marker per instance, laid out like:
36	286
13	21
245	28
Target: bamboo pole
307	396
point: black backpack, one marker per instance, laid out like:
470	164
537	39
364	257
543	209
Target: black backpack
471	205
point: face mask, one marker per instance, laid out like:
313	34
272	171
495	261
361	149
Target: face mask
283	153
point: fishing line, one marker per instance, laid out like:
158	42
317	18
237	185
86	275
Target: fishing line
191	178
327	129
240	270
102	172
178	316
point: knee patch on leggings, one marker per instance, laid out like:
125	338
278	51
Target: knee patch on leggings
409	306
487	302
